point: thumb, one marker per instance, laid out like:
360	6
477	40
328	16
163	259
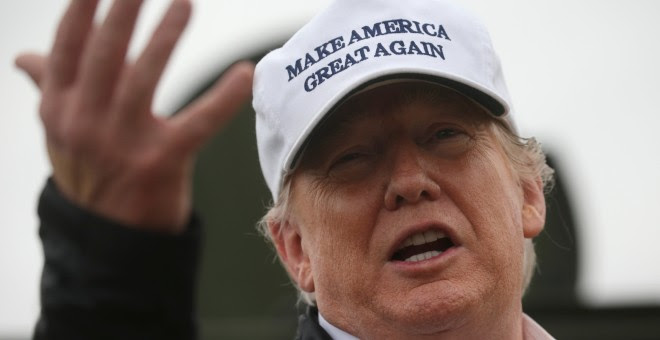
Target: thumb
32	64
199	122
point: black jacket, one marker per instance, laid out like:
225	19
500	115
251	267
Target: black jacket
104	280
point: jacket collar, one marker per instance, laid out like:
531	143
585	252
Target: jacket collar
309	327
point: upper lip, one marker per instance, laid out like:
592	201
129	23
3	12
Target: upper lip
421	227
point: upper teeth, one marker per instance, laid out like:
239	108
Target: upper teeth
423	237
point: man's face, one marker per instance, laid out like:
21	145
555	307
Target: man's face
408	215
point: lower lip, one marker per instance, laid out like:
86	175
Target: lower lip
434	263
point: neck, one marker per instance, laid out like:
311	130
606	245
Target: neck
487	324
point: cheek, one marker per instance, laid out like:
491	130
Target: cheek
340	211
491	200
346	228
339	221
339	225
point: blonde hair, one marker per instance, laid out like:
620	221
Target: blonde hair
529	164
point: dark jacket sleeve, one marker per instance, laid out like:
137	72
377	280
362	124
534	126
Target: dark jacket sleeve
103	280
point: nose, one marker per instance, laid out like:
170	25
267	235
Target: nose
409	181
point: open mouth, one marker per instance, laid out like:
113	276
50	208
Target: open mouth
422	246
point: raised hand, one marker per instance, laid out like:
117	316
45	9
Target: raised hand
110	153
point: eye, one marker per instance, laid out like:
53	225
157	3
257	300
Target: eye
348	157
445	133
447	139
352	159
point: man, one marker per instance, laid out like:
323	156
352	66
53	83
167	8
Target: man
404	204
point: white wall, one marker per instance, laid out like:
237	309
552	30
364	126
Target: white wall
583	75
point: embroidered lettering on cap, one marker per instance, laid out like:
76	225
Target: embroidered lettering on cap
399	47
398	26
358	55
322	51
395	48
334	67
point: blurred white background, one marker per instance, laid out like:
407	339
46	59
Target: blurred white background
584	77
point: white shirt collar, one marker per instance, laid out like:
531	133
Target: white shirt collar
334	332
534	331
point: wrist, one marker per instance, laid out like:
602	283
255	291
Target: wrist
157	207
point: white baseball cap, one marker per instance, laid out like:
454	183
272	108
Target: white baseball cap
355	44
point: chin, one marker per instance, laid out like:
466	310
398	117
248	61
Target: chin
428	310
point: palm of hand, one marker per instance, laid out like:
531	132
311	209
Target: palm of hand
109	152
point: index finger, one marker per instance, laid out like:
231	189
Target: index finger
70	41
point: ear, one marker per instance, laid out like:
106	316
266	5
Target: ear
289	245
533	209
